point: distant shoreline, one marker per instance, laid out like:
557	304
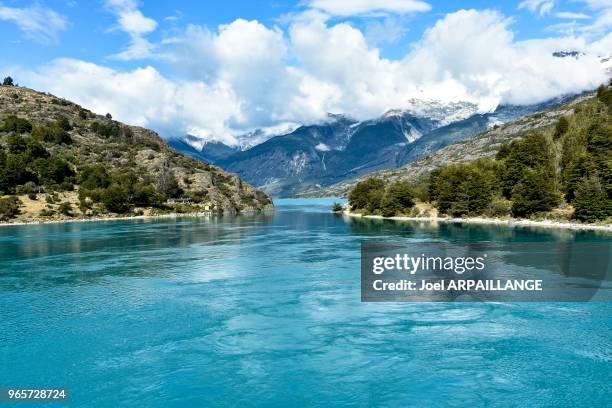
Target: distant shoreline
493	221
203	214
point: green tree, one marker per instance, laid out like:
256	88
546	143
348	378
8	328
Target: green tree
115	199
167	183
466	189
534	193
591	203
9	208
16	143
397	199
8	81
367	194
532	151
93	177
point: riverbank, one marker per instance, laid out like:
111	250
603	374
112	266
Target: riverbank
511	223
206	214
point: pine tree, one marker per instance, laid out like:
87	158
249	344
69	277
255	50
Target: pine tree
397	199
591	203
534	193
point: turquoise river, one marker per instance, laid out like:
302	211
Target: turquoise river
265	310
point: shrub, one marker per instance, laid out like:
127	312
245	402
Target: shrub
9	208
561	127
8	81
46	212
115	199
337	207
14	124
65	209
16	143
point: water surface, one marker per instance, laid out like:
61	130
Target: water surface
265	310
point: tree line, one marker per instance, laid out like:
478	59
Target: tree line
569	164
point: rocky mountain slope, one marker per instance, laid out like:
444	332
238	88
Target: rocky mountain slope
341	148
105	167
485	144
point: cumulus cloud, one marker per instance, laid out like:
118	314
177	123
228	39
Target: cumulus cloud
131	20
245	75
363	7
38	23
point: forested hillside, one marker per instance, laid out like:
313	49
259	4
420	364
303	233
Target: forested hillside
59	160
562	172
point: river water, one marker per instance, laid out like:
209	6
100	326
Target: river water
265	310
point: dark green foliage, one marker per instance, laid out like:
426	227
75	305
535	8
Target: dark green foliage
397	199
531	151
337	207
65	209
53	170
146	196
9	208
371	196
167	184
106	129
16	143
63	123
465	189
534	193
8	81
561	127
13	123
604	94
115	199
93	177
591	202
51	133
503	152
367	194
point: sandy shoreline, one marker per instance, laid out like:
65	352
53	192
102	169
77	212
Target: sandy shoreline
494	221
207	214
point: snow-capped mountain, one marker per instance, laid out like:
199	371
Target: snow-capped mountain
341	147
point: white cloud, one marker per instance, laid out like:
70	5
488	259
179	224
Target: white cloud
572	16
38	23
245	75
141	97
363	7
388	31
541	6
131	21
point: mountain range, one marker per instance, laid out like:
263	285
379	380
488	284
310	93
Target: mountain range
341	148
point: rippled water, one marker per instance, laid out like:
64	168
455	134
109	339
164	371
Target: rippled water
265	310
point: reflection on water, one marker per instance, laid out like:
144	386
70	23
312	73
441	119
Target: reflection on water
265	310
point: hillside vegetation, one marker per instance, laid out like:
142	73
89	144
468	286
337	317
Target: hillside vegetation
59	160
562	171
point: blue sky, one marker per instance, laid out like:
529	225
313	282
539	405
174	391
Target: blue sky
91	32
269	64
